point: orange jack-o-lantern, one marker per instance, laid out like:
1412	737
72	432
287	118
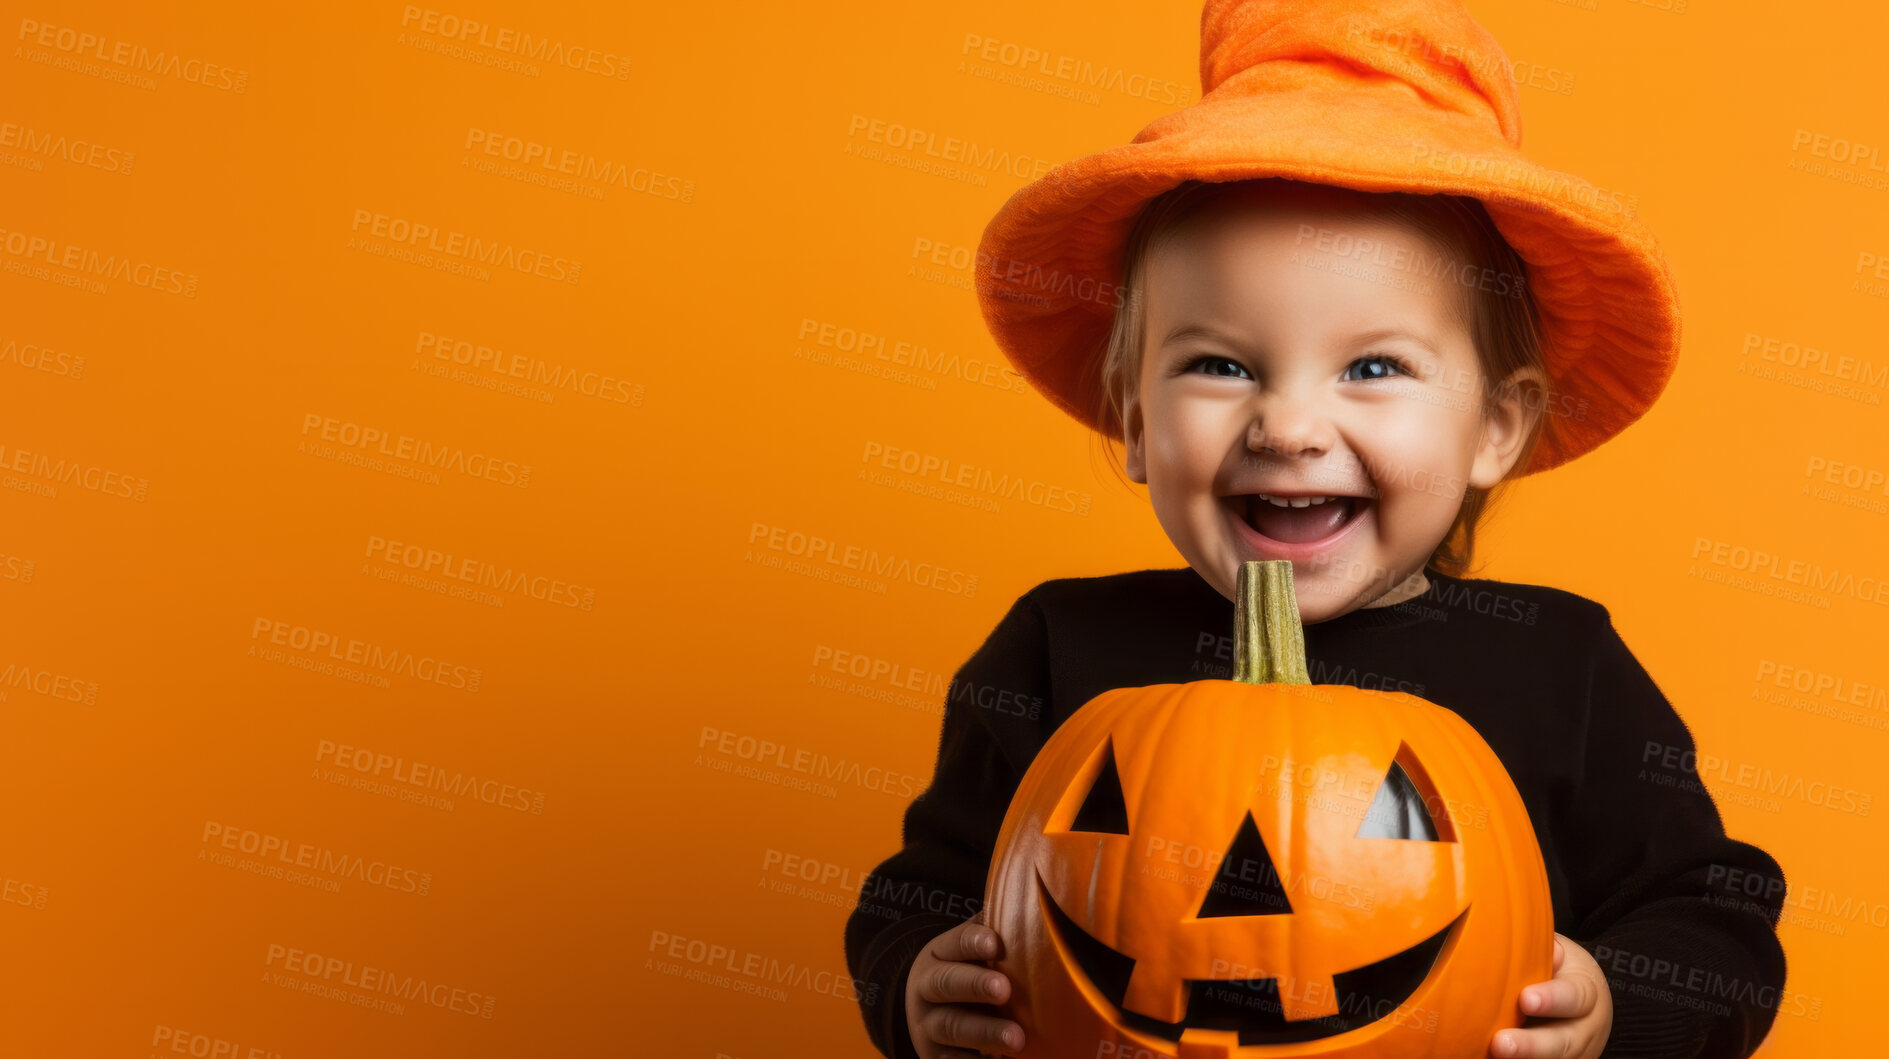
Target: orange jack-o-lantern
1230	869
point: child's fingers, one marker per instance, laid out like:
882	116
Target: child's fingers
962	1027
1542	1042
1567	997
962	983
973	941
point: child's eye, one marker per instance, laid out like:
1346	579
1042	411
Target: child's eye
1216	363
1375	366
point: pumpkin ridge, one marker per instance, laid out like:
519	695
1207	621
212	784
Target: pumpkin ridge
1174	700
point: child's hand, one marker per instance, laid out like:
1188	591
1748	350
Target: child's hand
944	982
1573	1012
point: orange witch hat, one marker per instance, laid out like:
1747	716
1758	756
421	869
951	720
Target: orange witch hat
1404	95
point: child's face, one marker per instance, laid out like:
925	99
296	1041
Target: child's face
1273	374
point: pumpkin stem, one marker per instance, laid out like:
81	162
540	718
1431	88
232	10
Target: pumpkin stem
1268	640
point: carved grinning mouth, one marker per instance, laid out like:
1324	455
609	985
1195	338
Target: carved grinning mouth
1251	1006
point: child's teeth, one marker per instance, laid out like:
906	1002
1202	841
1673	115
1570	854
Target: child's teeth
1301	501
1293	501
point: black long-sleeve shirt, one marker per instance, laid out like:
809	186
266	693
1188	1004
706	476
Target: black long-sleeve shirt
1640	869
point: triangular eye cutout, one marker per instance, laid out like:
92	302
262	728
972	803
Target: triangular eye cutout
1398	810
1247	884
1104	809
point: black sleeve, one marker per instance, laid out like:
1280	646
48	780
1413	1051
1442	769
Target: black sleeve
996	712
1680	917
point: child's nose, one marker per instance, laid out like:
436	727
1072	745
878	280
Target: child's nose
1288	428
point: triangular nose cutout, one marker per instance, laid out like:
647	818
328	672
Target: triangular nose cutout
1104	809
1247	884
1397	810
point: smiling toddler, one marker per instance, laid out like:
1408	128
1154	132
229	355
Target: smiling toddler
1316	342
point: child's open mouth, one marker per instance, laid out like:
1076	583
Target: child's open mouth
1297	519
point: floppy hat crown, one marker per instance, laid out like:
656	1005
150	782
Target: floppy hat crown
1406	95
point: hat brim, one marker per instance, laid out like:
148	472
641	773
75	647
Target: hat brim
1050	260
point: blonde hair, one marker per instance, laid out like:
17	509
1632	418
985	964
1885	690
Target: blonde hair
1505	327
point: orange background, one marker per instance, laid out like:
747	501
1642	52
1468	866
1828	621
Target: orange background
126	929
